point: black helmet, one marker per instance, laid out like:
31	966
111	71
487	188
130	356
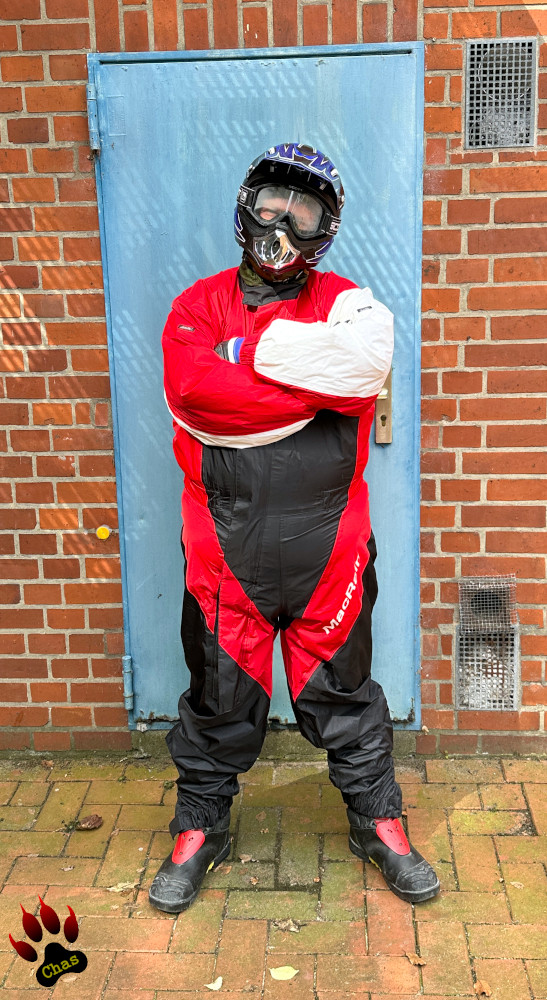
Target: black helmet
288	208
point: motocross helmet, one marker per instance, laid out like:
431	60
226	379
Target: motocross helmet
288	209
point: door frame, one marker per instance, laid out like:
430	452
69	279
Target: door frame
94	61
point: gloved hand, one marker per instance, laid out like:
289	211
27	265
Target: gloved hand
229	349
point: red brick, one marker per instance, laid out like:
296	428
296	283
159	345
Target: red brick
68	67
492	463
136	30
19	569
8	38
80	387
61	569
96	692
52	413
85	248
21	68
520	436
13	161
315	24
75	333
435	26
533	22
77	189
524	568
510	240
534	694
23	10
440	300
519	297
374	17
34	492
442	119
33	189
58	520
465	328
55	277
27	130
458	436
196	32
100	739
47	642
21	277
517	327
432	213
517	489
70	128
63	618
519	178
520	269
496	408
69	667
434	88
441	241
504	516
55	466
6	248
63	218
503	356
464	271
255	27
70	716
405	20
344	22
42	306
521	210
23	667
47	161
443	56
14	519
441	356
498	720
54	36
38	248
517	743
460	743
11	361
437	718
460	541
82	492
42	593
460	489
516	381
442	181
435	154
166	37
37	545
473	25
13	413
284	22
468	211
85	305
67	9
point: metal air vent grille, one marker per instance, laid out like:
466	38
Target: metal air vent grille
500	93
487	645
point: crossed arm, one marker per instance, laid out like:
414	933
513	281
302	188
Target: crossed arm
269	385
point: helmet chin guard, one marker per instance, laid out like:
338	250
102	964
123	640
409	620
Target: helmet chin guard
297	175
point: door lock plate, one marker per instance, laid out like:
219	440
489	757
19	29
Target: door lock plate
384	432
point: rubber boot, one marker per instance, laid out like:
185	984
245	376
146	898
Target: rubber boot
179	879
384	843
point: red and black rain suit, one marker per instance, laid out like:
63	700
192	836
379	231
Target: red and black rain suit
276	533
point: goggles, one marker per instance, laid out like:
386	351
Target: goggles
306	213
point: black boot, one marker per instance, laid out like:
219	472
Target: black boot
384	842
179	879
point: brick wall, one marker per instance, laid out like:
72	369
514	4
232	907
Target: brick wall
484	405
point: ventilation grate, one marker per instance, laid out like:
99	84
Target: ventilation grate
487	644
500	93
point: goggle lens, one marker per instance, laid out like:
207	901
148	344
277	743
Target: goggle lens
275	201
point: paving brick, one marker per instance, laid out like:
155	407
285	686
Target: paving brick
165	971
242	968
332	819
86	900
22	974
268	905
17	817
125	935
149	792
298	988
198	928
50	871
7	788
321	937
522	849
354	974
233	874
483	907
526	888
537	972
299	859
506	978
11	845
19	772
260	773
289	773
250	838
29	793
84	771
125	855
537	799
474	822
138	817
512	941
342	890
502	796
10	910
93	843
455	770
476	864
409	773
63	805
389	923
149	771
335	847
444	948
441	796
162	844
525	770
305	795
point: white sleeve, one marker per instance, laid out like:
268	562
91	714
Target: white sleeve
349	355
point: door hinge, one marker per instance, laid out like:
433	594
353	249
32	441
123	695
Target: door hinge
127	664
93	118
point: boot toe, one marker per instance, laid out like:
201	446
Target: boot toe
171	895
418	883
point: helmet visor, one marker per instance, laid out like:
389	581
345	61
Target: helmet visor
305	211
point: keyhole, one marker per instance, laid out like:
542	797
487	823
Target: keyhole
383	419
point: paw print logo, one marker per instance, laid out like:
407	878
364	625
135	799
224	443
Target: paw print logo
57	960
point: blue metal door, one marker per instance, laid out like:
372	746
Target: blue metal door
175	133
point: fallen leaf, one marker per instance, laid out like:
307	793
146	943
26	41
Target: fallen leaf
317	879
69	869
517	885
245	857
265	830
283	972
121	887
414	959
261	815
288	925
216	985
91	822
253	880
482	989
46	763
115	832
224	869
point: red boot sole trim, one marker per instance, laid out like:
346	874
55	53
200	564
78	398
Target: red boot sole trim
188	843
392	835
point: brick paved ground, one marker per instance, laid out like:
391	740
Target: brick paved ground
481	822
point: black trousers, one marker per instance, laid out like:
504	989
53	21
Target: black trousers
223	717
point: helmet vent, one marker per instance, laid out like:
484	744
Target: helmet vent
501	84
487	644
